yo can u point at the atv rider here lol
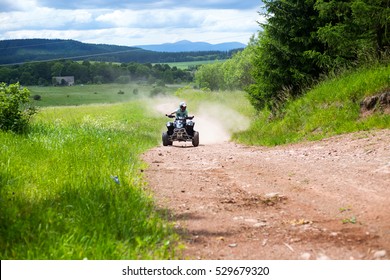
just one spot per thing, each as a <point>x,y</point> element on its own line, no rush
<point>181,112</point>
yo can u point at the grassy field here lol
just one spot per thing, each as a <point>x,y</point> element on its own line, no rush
<point>60,198</point>
<point>182,65</point>
<point>94,94</point>
<point>189,64</point>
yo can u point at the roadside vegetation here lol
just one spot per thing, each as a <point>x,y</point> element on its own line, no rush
<point>331,107</point>
<point>72,188</point>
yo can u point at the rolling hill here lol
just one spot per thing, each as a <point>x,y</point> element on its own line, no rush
<point>38,50</point>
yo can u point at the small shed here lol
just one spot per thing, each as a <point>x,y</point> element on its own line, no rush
<point>64,80</point>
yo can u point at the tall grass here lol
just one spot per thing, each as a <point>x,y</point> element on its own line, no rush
<point>60,198</point>
<point>332,107</point>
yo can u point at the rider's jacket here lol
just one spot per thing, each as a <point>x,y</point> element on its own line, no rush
<point>180,113</point>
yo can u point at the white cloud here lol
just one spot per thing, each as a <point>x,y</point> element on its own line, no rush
<point>38,18</point>
<point>151,25</point>
<point>18,5</point>
<point>158,18</point>
<point>230,20</point>
<point>182,18</point>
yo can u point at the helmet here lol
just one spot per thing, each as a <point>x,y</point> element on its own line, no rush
<point>183,105</point>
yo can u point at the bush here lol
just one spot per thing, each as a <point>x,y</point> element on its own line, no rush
<point>15,108</point>
<point>37,97</point>
<point>156,91</point>
<point>160,83</point>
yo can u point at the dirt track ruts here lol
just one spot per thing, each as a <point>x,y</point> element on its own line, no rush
<point>328,199</point>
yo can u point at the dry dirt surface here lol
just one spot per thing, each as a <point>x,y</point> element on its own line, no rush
<point>328,199</point>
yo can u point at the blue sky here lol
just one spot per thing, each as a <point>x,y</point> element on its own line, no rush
<point>130,23</point>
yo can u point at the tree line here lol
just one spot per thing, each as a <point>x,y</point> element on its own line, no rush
<point>232,74</point>
<point>86,72</point>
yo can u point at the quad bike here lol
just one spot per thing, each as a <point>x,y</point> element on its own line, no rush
<point>182,129</point>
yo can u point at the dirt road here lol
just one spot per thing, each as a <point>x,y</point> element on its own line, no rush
<point>318,200</point>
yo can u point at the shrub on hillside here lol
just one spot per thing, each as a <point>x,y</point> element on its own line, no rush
<point>15,108</point>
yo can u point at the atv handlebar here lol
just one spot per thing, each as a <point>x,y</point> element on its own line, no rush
<point>187,118</point>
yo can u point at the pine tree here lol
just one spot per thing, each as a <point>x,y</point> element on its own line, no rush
<point>283,62</point>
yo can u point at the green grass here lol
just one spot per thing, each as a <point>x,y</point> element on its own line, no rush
<point>92,94</point>
<point>188,64</point>
<point>58,197</point>
<point>331,108</point>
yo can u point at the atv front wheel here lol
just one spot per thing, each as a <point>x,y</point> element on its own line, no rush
<point>195,139</point>
<point>165,139</point>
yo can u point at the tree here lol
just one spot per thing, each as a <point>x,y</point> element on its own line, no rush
<point>374,16</point>
<point>142,71</point>
<point>15,108</point>
<point>238,69</point>
<point>57,68</point>
<point>210,76</point>
<point>5,74</point>
<point>234,73</point>
<point>353,31</point>
<point>282,61</point>
<point>340,35</point>
<point>26,78</point>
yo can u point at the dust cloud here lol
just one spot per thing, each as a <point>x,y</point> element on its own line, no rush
<point>214,122</point>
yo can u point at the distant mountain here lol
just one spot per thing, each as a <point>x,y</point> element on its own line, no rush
<point>188,46</point>
<point>38,50</point>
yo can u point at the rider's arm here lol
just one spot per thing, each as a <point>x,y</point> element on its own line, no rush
<point>173,113</point>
